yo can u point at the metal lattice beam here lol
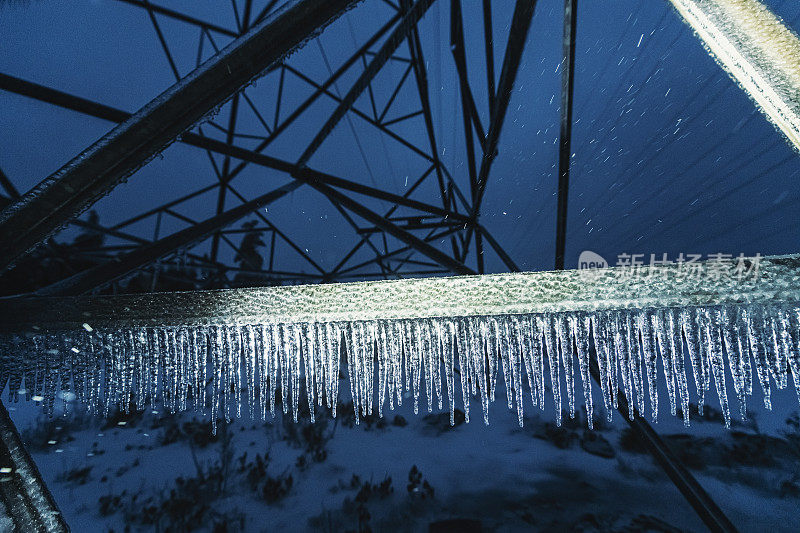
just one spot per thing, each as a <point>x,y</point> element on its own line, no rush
<point>565,137</point>
<point>97,170</point>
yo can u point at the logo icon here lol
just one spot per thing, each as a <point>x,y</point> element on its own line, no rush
<point>589,260</point>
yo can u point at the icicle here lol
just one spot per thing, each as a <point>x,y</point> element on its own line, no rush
<point>490,345</point>
<point>691,332</point>
<point>737,355</point>
<point>777,349</point>
<point>397,360</point>
<point>447,335</point>
<point>666,348</point>
<point>393,360</point>
<point>580,325</point>
<point>384,367</point>
<point>635,353</point>
<point>351,341</point>
<point>436,359</point>
<point>788,343</point>
<point>650,358</point>
<point>333,335</point>
<point>793,325</point>
<point>512,353</point>
<point>478,353</point>
<point>427,365</point>
<point>710,333</point>
<point>261,376</point>
<point>620,335</point>
<point>368,360</point>
<point>463,349</point>
<point>414,358</point>
<point>319,362</point>
<point>565,344</point>
<point>603,352</point>
<point>551,343</point>
<point>501,342</point>
<point>678,361</point>
<point>215,353</point>
<point>606,320</point>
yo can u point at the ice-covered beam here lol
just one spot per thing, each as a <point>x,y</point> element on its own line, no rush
<point>24,496</point>
<point>777,280</point>
<point>701,321</point>
<point>758,51</point>
<point>98,169</point>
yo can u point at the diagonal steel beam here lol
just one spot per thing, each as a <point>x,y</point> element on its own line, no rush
<point>404,27</point>
<point>488,38</point>
<point>517,36</point>
<point>469,113</point>
<point>144,255</point>
<point>316,179</point>
<point>97,170</point>
<point>177,15</point>
<point>392,229</point>
<point>757,50</point>
<point>338,273</point>
<point>421,78</point>
<point>402,30</point>
<point>319,89</point>
<point>89,107</point>
<point>23,494</point>
<point>5,182</point>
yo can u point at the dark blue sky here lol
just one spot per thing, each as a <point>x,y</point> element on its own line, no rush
<point>669,155</point>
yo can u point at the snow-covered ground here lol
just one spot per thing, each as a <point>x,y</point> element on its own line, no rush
<point>152,472</point>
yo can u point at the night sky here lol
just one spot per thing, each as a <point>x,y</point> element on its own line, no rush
<point>669,155</point>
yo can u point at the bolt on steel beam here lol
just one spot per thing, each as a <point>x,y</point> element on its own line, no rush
<point>98,169</point>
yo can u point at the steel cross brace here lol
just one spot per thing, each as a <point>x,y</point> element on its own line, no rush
<point>304,174</point>
<point>97,170</point>
<point>708,511</point>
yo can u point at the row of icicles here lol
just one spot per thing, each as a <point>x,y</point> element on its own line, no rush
<point>223,368</point>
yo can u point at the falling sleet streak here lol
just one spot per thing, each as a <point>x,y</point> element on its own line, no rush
<point>223,369</point>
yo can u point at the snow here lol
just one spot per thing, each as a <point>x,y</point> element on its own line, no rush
<point>501,475</point>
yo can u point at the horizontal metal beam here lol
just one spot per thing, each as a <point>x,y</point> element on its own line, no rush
<point>777,285</point>
<point>98,169</point>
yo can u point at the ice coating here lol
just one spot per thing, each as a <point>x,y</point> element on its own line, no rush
<point>222,370</point>
<point>537,334</point>
<point>757,49</point>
